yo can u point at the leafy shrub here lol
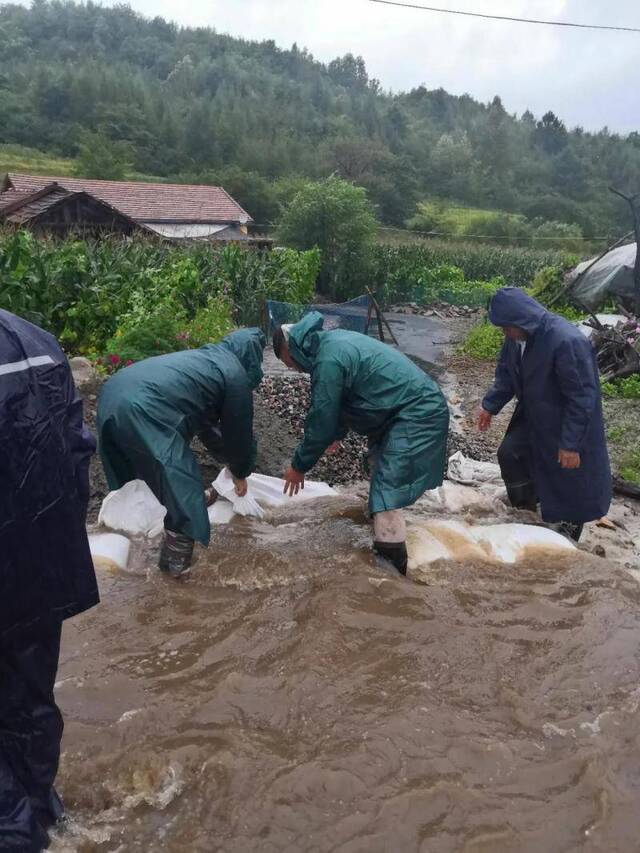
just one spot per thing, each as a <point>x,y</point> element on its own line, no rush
<point>445,283</point>
<point>484,341</point>
<point>573,315</point>
<point>210,324</point>
<point>627,388</point>
<point>149,329</point>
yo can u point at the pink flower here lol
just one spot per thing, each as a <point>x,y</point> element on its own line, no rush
<point>630,341</point>
<point>114,359</point>
<point>129,362</point>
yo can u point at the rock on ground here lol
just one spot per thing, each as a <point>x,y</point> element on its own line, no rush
<point>82,371</point>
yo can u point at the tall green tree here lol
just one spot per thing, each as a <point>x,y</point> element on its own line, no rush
<point>103,159</point>
<point>337,218</point>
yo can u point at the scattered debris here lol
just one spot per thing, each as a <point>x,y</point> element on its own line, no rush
<point>616,349</point>
<point>436,309</point>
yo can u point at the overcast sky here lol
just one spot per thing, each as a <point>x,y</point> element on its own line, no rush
<point>589,78</point>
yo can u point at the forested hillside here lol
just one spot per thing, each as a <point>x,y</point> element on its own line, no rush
<point>125,94</point>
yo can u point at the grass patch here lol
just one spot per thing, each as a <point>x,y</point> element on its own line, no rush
<point>630,466</point>
<point>617,433</point>
<point>626,389</point>
<point>457,218</point>
<point>19,158</point>
<point>623,436</point>
<point>484,341</point>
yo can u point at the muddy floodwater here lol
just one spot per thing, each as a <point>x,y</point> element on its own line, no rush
<point>295,696</point>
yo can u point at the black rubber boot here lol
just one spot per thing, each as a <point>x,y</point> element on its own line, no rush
<point>395,553</point>
<point>522,496</point>
<point>570,529</point>
<point>176,554</point>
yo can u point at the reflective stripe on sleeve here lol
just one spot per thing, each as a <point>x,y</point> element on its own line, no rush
<point>26,364</point>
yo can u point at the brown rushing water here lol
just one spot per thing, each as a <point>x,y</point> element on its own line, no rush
<point>292,696</point>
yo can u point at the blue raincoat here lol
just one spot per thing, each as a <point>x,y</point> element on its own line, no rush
<point>46,571</point>
<point>149,412</point>
<point>557,385</point>
<point>361,384</point>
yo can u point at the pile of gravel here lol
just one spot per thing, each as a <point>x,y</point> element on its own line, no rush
<point>474,445</point>
<point>288,399</point>
<point>436,309</point>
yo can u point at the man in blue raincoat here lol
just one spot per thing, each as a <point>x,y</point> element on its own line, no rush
<point>361,384</point>
<point>554,452</point>
<point>148,414</point>
<point>46,571</point>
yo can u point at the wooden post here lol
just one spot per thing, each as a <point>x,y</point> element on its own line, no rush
<point>381,319</point>
<point>369,313</point>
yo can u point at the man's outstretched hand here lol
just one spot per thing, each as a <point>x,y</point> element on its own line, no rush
<point>568,459</point>
<point>483,421</point>
<point>240,487</point>
<point>293,482</point>
<point>333,448</point>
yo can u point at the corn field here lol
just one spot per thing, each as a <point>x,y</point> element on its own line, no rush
<point>82,291</point>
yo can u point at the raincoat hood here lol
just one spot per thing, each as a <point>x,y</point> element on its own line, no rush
<point>513,307</point>
<point>248,347</point>
<point>303,340</point>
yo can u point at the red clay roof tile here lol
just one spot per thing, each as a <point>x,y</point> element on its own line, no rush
<point>146,202</point>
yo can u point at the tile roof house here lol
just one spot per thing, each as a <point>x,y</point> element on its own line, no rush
<point>174,212</point>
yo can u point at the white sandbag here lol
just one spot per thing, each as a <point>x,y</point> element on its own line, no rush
<point>245,505</point>
<point>133,509</point>
<point>445,539</point>
<point>109,550</point>
<point>456,498</point>
<point>221,512</point>
<point>468,471</point>
<point>508,543</point>
<point>269,491</point>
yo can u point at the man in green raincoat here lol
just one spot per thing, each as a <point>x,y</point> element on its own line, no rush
<point>148,414</point>
<point>361,384</point>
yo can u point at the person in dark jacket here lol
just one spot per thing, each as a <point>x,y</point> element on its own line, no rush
<point>46,571</point>
<point>554,452</point>
<point>364,385</point>
<point>148,414</point>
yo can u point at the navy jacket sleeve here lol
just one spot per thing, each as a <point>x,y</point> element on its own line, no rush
<point>322,426</point>
<point>502,391</point>
<point>236,425</point>
<point>576,377</point>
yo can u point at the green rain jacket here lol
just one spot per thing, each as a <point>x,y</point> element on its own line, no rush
<point>361,384</point>
<point>149,412</point>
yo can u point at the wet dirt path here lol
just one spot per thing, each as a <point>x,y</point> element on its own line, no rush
<point>294,696</point>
